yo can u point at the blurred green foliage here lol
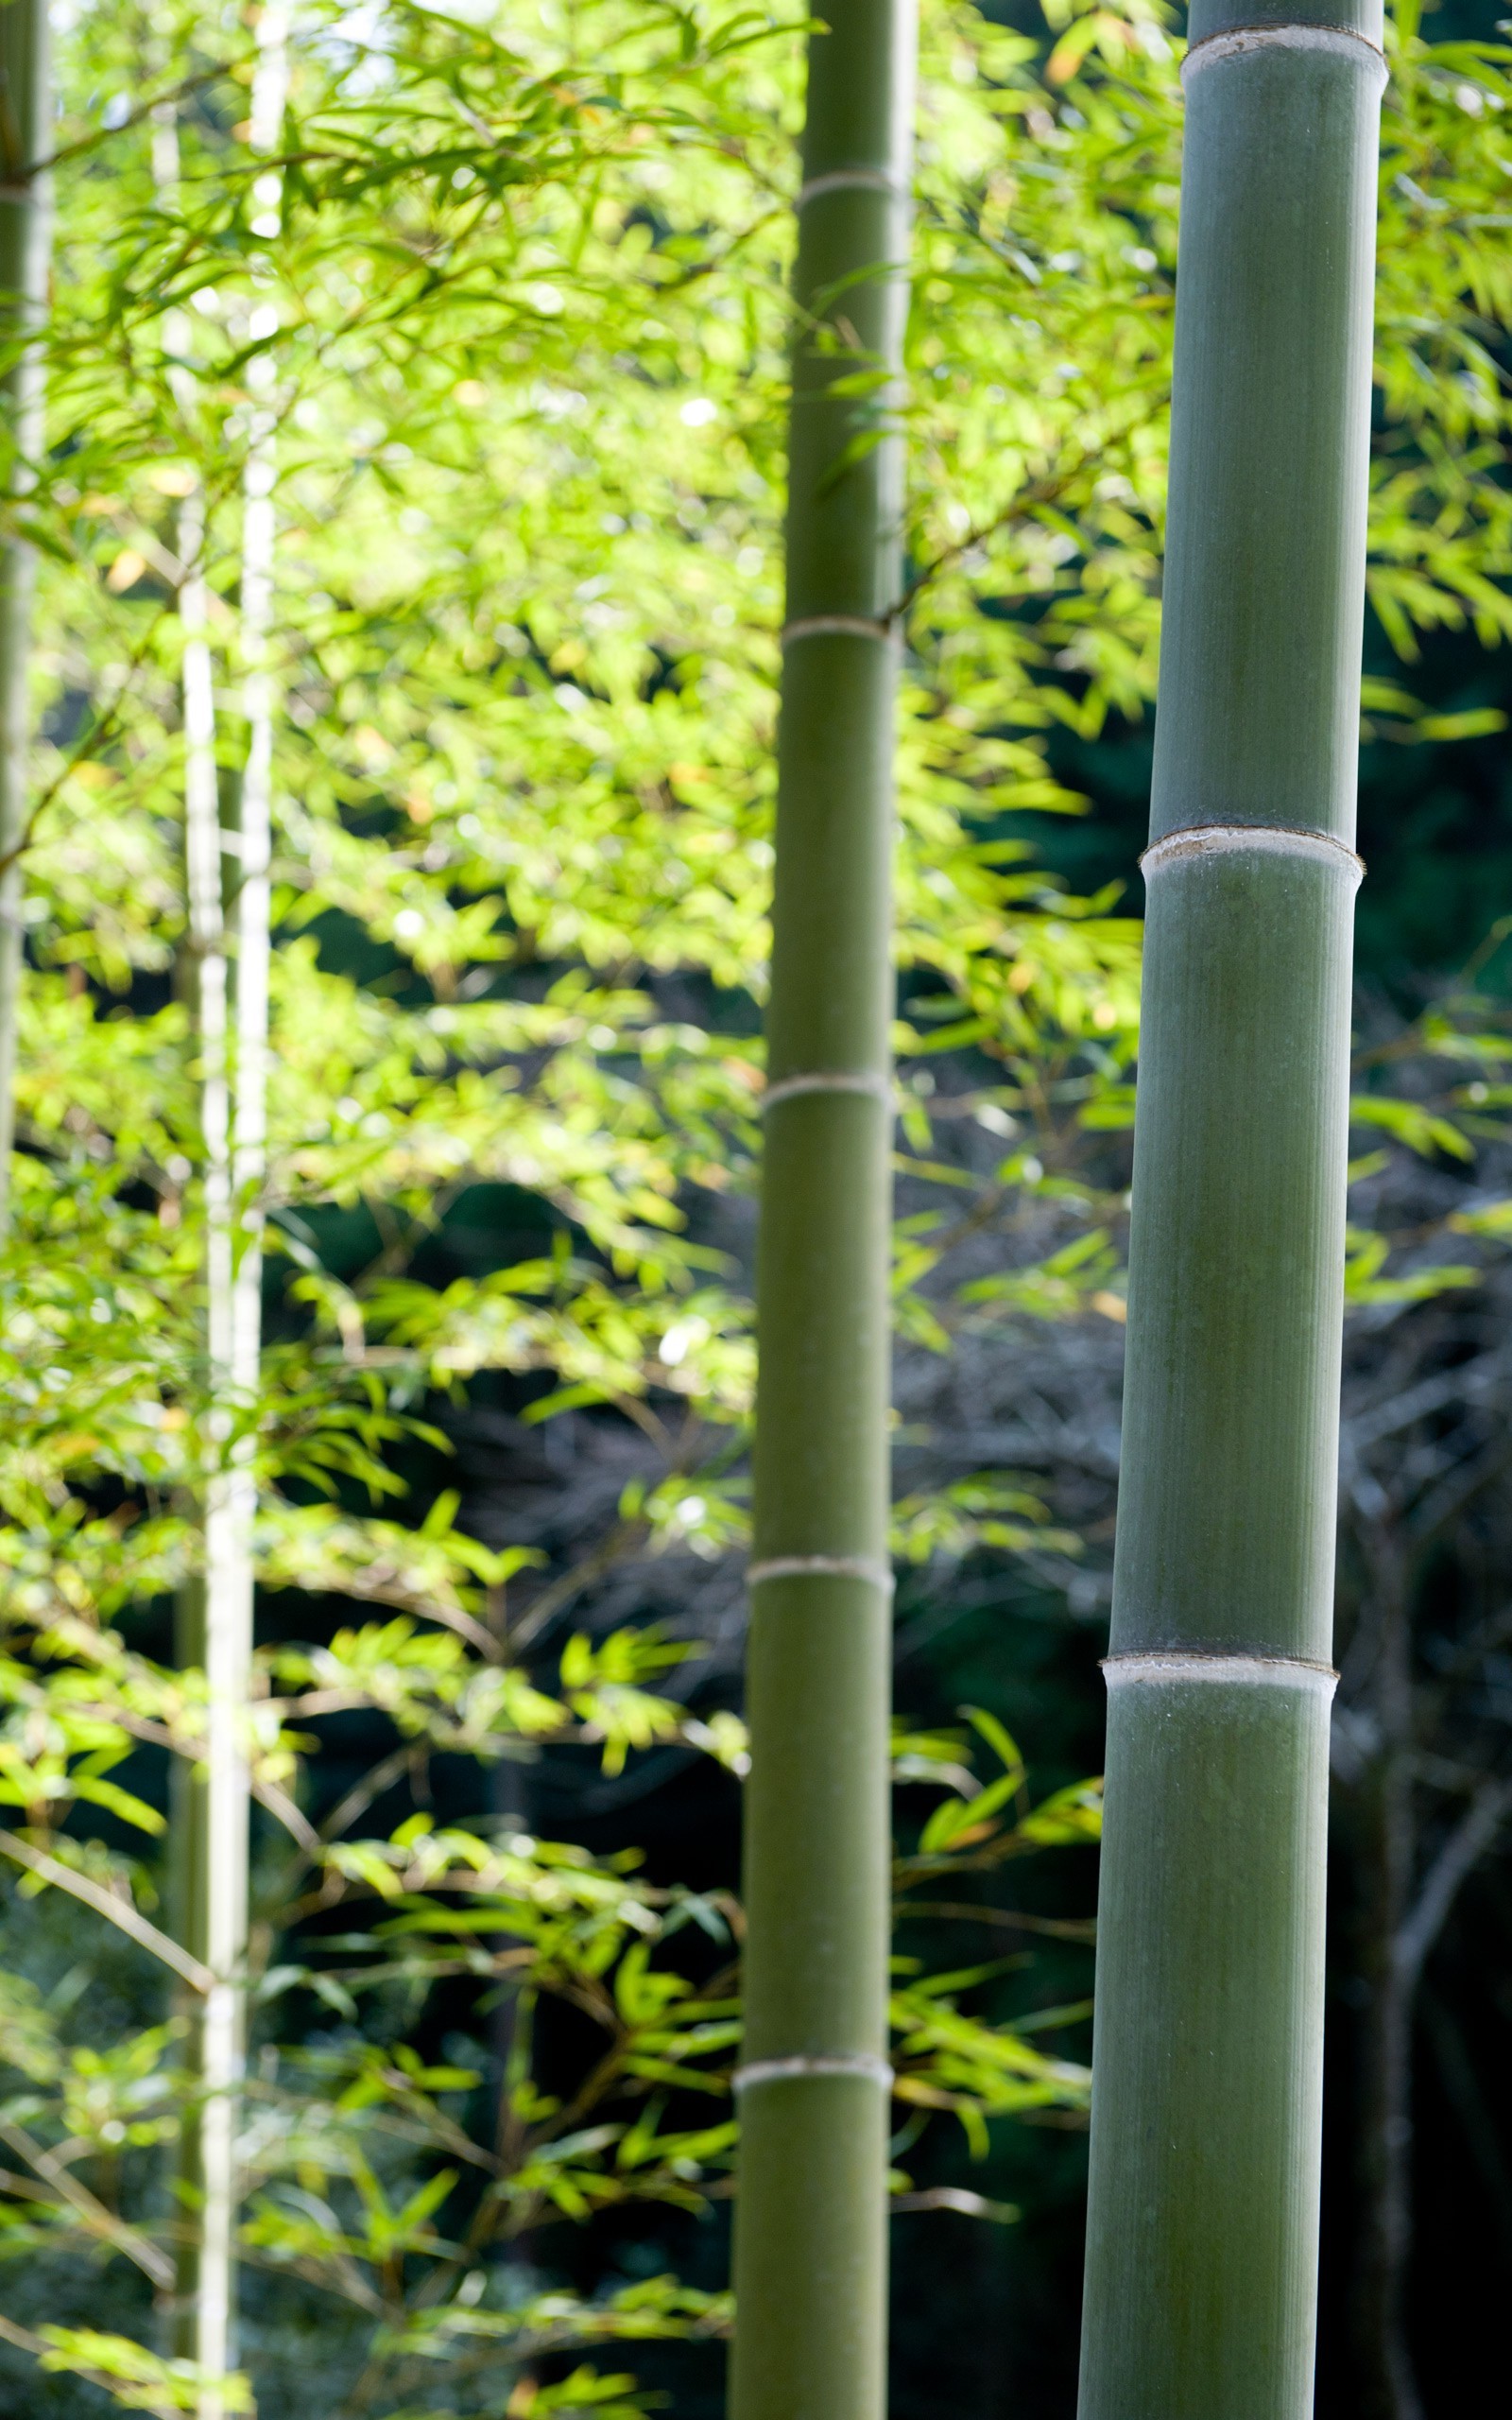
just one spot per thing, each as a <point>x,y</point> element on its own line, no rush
<point>529,356</point>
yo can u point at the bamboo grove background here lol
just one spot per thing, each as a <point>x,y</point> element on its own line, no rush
<point>493,315</point>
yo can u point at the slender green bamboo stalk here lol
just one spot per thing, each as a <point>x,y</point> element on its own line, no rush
<point>215,1625</point>
<point>26,251</point>
<point>810,2236</point>
<point>217,1831</point>
<point>216,1839</point>
<point>234,1117</point>
<point>1207,2060</point>
<point>249,1137</point>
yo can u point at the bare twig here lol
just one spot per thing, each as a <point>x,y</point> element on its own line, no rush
<point>1456,1860</point>
<point>96,2217</point>
<point>118,1912</point>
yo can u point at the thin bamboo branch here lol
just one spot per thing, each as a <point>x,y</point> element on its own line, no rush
<point>1387,1855</point>
<point>1451,1870</point>
<point>25,254</point>
<point>118,1912</point>
<point>93,2214</point>
<point>26,2341</point>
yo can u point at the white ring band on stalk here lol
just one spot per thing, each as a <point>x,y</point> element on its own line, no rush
<point>793,1087</point>
<point>835,626</point>
<point>822,1566</point>
<point>1260,840</point>
<point>851,181</point>
<point>838,2062</point>
<point>1242,39</point>
<point>1201,1664</point>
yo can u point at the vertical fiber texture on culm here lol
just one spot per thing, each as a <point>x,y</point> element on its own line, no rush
<point>810,2228</point>
<point>1202,2237</point>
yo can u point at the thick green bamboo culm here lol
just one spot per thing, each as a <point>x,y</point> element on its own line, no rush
<point>1202,2239</point>
<point>26,248</point>
<point>811,2221</point>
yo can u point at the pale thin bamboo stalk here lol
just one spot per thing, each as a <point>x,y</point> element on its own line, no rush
<point>234,1268</point>
<point>233,1109</point>
<point>1207,2095</point>
<point>215,1826</point>
<point>259,694</point>
<point>25,252</point>
<point>811,2272</point>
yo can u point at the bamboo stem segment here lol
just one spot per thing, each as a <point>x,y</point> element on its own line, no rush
<point>25,252</point>
<point>236,1151</point>
<point>232,1037</point>
<point>1202,2235</point>
<point>269,97</point>
<point>810,2232</point>
<point>211,1833</point>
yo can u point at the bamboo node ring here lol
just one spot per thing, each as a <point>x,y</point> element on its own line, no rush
<point>1237,41</point>
<point>851,181</point>
<point>836,625</point>
<point>793,1087</point>
<point>822,1566</point>
<point>829,2063</point>
<point>1207,1664</point>
<point>1263,839</point>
